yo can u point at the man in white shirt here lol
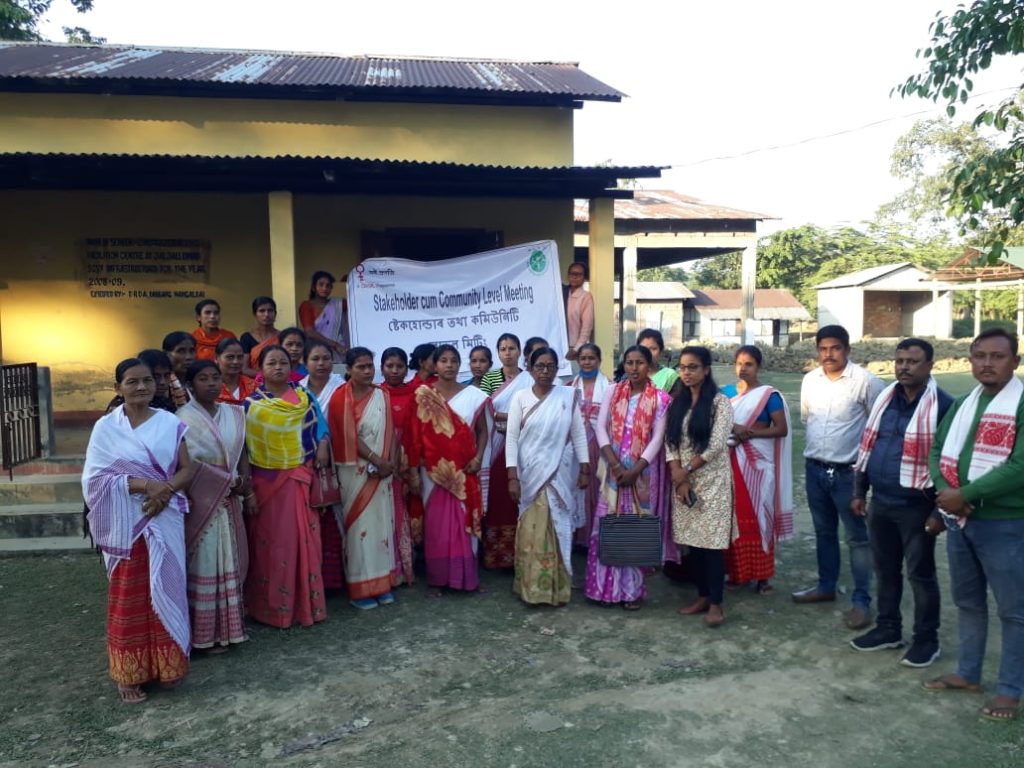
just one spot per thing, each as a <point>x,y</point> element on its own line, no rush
<point>835,400</point>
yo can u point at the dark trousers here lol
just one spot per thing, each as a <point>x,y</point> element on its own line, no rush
<point>897,534</point>
<point>709,573</point>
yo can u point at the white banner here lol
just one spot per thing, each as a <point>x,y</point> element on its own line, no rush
<point>464,302</point>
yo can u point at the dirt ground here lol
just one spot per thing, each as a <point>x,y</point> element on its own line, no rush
<point>482,680</point>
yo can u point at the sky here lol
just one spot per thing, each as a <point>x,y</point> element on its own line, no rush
<point>705,80</point>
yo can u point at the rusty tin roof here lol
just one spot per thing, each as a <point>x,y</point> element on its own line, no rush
<point>56,66</point>
<point>665,204</point>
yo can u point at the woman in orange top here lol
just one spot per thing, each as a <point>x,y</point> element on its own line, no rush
<point>323,318</point>
<point>209,333</point>
<point>236,386</point>
<point>264,334</point>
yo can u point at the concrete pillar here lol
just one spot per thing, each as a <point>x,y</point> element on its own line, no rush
<point>935,311</point>
<point>747,287</point>
<point>282,257</point>
<point>601,238</point>
<point>977,309</point>
<point>628,306</point>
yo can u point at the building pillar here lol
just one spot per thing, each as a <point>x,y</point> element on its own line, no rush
<point>1020,308</point>
<point>935,310</point>
<point>747,287</point>
<point>627,309</point>
<point>977,309</point>
<point>601,239</point>
<point>282,256</point>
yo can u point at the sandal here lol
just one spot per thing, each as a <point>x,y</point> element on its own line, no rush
<point>1001,713</point>
<point>714,620</point>
<point>131,694</point>
<point>950,682</point>
<point>765,588</point>
<point>631,605</point>
<point>700,605</point>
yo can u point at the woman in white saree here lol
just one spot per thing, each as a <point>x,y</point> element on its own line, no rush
<point>548,466</point>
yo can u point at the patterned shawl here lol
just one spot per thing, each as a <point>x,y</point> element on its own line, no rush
<point>917,442</point>
<point>994,440</point>
<point>643,419</point>
<point>280,434</point>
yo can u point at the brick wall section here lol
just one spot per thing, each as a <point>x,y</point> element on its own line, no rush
<point>882,314</point>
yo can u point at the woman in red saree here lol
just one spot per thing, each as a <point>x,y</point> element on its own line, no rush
<point>209,333</point>
<point>216,551</point>
<point>135,468</point>
<point>408,505</point>
<point>286,436</point>
<point>450,433</point>
<point>260,336</point>
<point>235,385</point>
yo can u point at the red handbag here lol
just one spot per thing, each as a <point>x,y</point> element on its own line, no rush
<point>325,490</point>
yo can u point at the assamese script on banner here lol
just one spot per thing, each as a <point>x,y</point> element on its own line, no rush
<point>465,301</point>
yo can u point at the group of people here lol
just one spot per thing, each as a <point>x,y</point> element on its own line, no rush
<point>252,482</point>
<point>933,465</point>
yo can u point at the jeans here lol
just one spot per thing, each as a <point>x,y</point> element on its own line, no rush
<point>989,553</point>
<point>829,492</point>
<point>897,533</point>
<point>709,573</point>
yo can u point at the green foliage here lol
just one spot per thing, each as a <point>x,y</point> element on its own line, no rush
<point>19,20</point>
<point>986,192</point>
<point>718,272</point>
<point>662,275</point>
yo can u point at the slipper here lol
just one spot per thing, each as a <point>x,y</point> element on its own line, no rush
<point>765,589</point>
<point>1000,714</point>
<point>434,593</point>
<point>631,605</point>
<point>714,621</point>
<point>948,683</point>
<point>131,694</point>
<point>698,606</point>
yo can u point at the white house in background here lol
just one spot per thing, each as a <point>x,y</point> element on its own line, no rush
<point>714,315</point>
<point>890,301</point>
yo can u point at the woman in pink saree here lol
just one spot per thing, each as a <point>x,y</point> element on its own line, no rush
<point>217,554</point>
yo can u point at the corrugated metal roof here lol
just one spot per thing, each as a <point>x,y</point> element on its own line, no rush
<point>657,291</point>
<point>864,276</point>
<point>302,71</point>
<point>769,304</point>
<point>669,205</point>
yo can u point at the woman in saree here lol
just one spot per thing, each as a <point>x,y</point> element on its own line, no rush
<point>699,425</point>
<point>216,552</point>
<point>235,385</point>
<point>363,439</point>
<point>408,504</point>
<point>480,362</point>
<point>286,437</point>
<point>263,334</point>
<point>209,333</point>
<point>324,318</point>
<point>181,351</point>
<point>592,386</point>
<point>322,382</point>
<point>664,378</point>
<point>136,466</point>
<point>548,466</point>
<point>502,512</point>
<point>450,431</point>
<point>631,434</point>
<point>762,471</point>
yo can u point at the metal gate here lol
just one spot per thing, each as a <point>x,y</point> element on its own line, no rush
<point>20,437</point>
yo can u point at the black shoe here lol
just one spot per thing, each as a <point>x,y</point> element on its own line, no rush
<point>921,654</point>
<point>877,639</point>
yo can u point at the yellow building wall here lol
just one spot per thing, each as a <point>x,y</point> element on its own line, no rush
<point>87,123</point>
<point>47,315</point>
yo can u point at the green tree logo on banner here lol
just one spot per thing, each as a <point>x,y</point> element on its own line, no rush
<point>538,262</point>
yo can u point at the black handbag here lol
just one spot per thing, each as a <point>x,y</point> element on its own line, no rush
<point>630,540</point>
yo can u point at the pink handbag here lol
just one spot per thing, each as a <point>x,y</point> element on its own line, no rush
<point>325,490</point>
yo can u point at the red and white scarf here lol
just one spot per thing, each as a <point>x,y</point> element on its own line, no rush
<point>993,442</point>
<point>917,442</point>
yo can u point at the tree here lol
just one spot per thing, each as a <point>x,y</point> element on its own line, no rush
<point>986,191</point>
<point>661,275</point>
<point>19,20</point>
<point>718,271</point>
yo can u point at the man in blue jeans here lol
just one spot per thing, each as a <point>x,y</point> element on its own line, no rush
<point>893,463</point>
<point>835,401</point>
<point>977,463</point>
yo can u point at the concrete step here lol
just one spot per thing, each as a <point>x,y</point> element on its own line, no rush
<point>41,489</point>
<point>33,521</point>
<point>47,545</point>
<point>52,465</point>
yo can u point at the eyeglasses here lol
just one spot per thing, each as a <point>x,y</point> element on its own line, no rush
<point>545,367</point>
<point>691,368</point>
<point>575,274</point>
